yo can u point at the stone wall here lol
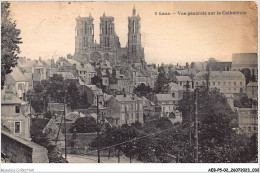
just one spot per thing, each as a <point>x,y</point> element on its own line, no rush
<point>20,150</point>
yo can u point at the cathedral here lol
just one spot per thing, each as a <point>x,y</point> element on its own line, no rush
<point>109,48</point>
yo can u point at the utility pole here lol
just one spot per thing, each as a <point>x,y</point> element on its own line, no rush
<point>98,131</point>
<point>30,104</point>
<point>126,117</point>
<point>65,127</point>
<point>196,128</point>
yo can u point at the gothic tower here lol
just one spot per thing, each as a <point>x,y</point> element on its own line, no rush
<point>84,36</point>
<point>135,51</point>
<point>107,33</point>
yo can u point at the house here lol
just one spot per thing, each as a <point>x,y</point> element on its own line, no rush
<point>97,93</point>
<point>15,115</point>
<point>125,109</point>
<point>165,104</point>
<point>49,128</point>
<point>149,110</point>
<point>182,81</point>
<point>245,60</point>
<point>248,120</point>
<point>17,83</point>
<point>252,90</point>
<point>85,72</point>
<point>218,66</point>
<point>153,71</point>
<point>228,82</point>
<point>176,91</point>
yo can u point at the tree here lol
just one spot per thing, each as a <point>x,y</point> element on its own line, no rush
<point>85,125</point>
<point>161,80</point>
<point>143,90</point>
<point>73,96</point>
<point>247,73</point>
<point>192,65</point>
<point>55,87</point>
<point>96,80</point>
<point>10,39</point>
<point>218,142</point>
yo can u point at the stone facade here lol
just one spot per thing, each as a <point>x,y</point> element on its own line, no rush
<point>245,60</point>
<point>228,82</point>
<point>109,48</point>
<point>248,120</point>
<point>20,150</point>
<point>15,115</point>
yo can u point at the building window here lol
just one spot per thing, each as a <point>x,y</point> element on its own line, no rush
<point>235,83</point>
<point>17,127</point>
<point>213,83</point>
<point>235,89</point>
<point>218,83</point>
<point>173,95</point>
<point>20,86</point>
<point>17,109</point>
<point>249,129</point>
<point>241,83</point>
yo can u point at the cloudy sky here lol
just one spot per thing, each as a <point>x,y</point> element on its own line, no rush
<point>48,28</point>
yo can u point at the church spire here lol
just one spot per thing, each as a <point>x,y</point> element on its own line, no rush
<point>134,11</point>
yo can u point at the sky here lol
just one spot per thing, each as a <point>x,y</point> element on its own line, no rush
<point>48,28</point>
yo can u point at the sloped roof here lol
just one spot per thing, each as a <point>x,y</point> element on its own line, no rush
<point>252,84</point>
<point>127,97</point>
<point>66,74</point>
<point>164,97</point>
<point>28,76</point>
<point>107,97</point>
<point>216,75</point>
<point>11,99</point>
<point>174,87</point>
<point>27,63</point>
<point>183,78</point>
<point>93,87</point>
<point>17,75</point>
<point>72,116</point>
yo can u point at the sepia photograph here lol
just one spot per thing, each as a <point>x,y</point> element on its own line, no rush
<point>131,82</point>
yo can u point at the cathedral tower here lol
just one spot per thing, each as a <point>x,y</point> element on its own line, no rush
<point>135,50</point>
<point>84,39</point>
<point>107,33</point>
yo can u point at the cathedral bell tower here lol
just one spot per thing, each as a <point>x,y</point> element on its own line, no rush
<point>84,35</point>
<point>107,32</point>
<point>135,51</point>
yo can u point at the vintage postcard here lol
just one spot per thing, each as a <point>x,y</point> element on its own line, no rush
<point>129,82</point>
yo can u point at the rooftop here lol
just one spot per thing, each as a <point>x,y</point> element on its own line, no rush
<point>127,97</point>
<point>183,78</point>
<point>164,97</point>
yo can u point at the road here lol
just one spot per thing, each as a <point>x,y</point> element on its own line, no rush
<point>93,159</point>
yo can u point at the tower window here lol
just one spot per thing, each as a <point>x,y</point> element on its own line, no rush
<point>134,26</point>
<point>106,27</point>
